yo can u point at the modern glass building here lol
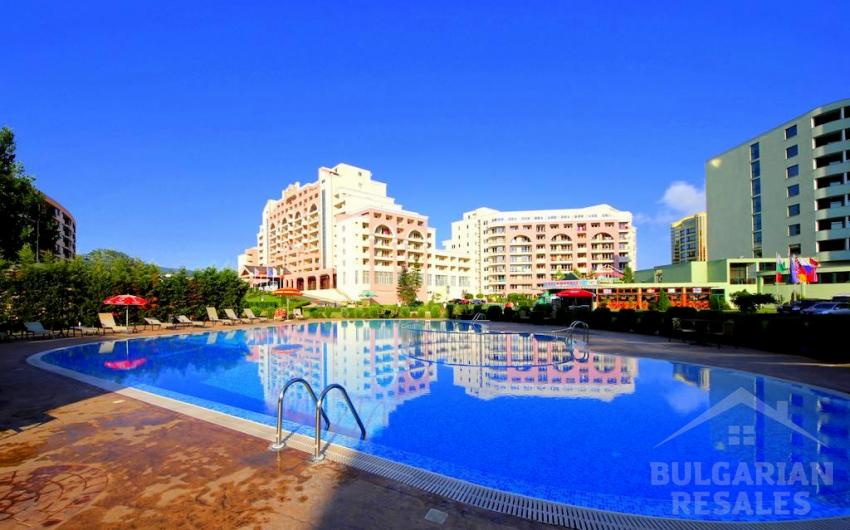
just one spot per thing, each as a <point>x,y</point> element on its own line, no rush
<point>784,192</point>
<point>687,239</point>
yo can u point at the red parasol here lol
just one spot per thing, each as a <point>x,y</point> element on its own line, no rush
<point>574,293</point>
<point>125,365</point>
<point>125,300</point>
<point>287,292</point>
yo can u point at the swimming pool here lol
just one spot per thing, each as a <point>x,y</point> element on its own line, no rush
<point>529,414</point>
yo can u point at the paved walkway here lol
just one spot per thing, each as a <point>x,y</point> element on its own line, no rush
<point>75,455</point>
<point>79,456</point>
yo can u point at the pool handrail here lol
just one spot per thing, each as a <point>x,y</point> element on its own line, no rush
<point>317,454</point>
<point>278,443</point>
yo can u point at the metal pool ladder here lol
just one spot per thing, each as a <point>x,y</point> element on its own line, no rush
<point>577,324</point>
<point>278,443</point>
<point>318,456</point>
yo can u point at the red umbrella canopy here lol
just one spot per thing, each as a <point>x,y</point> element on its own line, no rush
<point>287,291</point>
<point>575,293</point>
<point>125,299</point>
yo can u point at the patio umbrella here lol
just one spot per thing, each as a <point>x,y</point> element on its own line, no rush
<point>287,292</point>
<point>126,300</point>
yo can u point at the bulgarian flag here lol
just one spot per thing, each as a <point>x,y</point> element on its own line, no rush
<point>780,268</point>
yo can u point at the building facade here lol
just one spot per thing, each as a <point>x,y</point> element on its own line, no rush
<point>66,243</point>
<point>343,232</point>
<point>518,251</point>
<point>786,191</point>
<point>688,239</point>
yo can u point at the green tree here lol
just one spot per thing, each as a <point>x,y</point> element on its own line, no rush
<point>628,275</point>
<point>409,283</point>
<point>750,302</point>
<point>663,301</point>
<point>25,217</point>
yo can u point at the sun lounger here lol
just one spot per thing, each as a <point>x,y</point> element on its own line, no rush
<point>35,329</point>
<point>249,313</point>
<point>153,322</point>
<point>107,321</point>
<point>296,314</point>
<point>184,320</point>
<point>232,316</point>
<point>212,315</point>
<point>85,330</point>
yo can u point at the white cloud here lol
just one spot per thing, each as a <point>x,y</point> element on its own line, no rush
<point>684,198</point>
<point>680,199</point>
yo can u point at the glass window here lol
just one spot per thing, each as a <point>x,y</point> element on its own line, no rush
<point>793,190</point>
<point>756,204</point>
<point>794,230</point>
<point>791,132</point>
<point>756,187</point>
<point>757,222</point>
<point>754,151</point>
<point>792,171</point>
<point>757,238</point>
<point>794,249</point>
<point>755,169</point>
<point>793,210</point>
<point>791,152</point>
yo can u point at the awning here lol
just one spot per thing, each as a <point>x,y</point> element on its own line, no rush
<point>574,293</point>
<point>328,296</point>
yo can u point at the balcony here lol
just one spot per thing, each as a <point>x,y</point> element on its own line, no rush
<point>835,233</point>
<point>828,149</point>
<point>831,170</point>
<point>826,213</point>
<point>832,126</point>
<point>834,255</point>
<point>830,191</point>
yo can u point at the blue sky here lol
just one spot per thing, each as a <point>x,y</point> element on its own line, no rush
<point>164,126</point>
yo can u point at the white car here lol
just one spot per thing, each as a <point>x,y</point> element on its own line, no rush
<point>828,308</point>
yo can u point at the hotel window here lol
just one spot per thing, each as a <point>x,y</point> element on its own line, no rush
<point>757,222</point>
<point>383,278</point>
<point>794,230</point>
<point>793,210</point>
<point>754,151</point>
<point>756,186</point>
<point>756,204</point>
<point>791,152</point>
<point>755,169</point>
<point>794,249</point>
<point>792,171</point>
<point>791,132</point>
<point>793,190</point>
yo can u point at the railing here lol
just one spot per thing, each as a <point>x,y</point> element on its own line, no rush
<point>317,453</point>
<point>278,443</point>
<point>577,324</point>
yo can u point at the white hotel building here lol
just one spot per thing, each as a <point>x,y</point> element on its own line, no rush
<point>517,251</point>
<point>342,236</point>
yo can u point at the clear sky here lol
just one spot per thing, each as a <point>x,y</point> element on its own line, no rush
<point>164,126</point>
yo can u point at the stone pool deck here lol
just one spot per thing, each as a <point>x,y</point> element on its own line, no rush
<point>78,456</point>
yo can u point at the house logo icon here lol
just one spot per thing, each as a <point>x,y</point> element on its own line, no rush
<point>744,434</point>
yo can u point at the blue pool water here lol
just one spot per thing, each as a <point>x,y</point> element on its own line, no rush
<point>533,415</point>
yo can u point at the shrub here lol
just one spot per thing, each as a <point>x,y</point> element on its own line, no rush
<point>494,312</point>
<point>750,302</point>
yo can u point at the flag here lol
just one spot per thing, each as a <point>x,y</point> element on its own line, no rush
<point>812,270</point>
<point>792,264</point>
<point>780,268</point>
<point>802,276</point>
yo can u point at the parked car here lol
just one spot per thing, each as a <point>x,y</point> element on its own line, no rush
<point>798,306</point>
<point>461,301</point>
<point>478,301</point>
<point>828,308</point>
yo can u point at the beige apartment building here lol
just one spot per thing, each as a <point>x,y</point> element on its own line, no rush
<point>518,251</point>
<point>343,236</point>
